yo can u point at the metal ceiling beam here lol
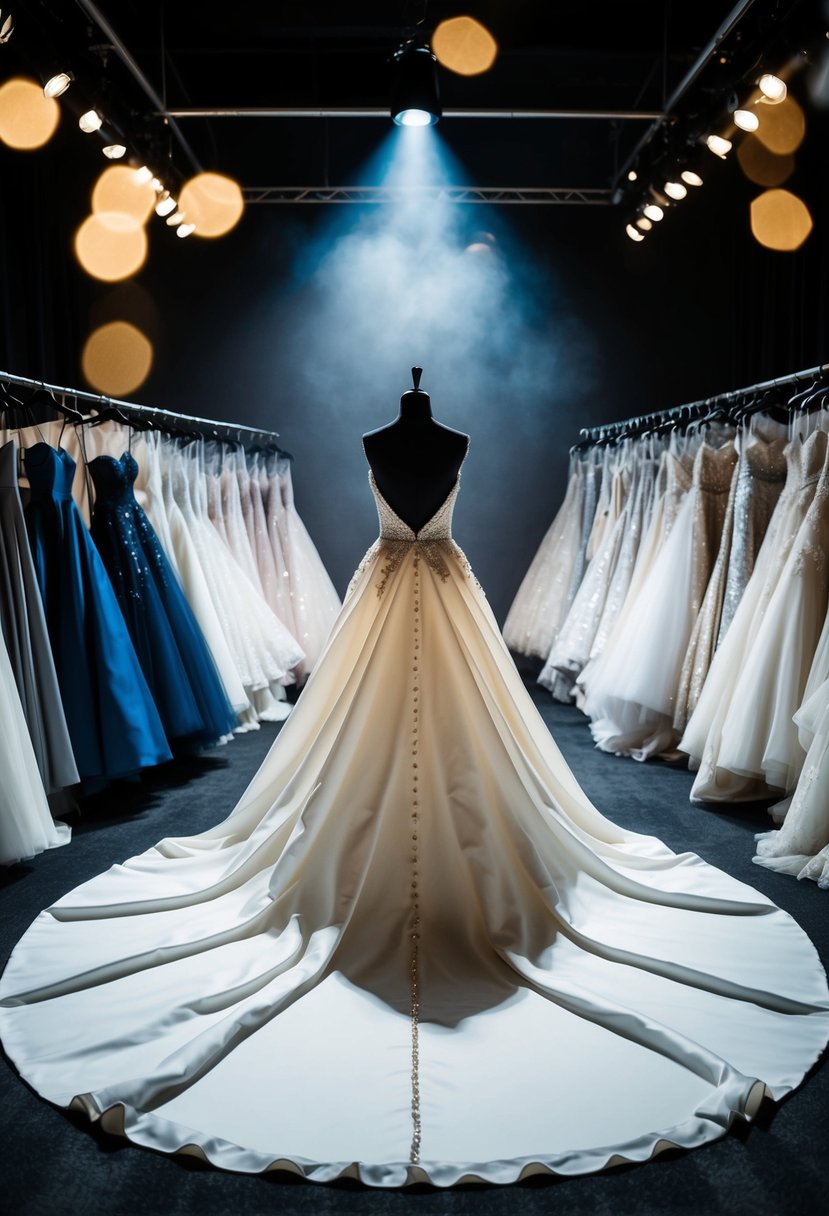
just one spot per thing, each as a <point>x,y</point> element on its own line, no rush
<point>383,112</point>
<point>703,59</point>
<point>557,196</point>
<point>122,51</point>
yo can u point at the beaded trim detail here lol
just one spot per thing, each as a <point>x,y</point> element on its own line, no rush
<point>414,919</point>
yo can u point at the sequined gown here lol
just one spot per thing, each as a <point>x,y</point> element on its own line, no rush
<point>370,968</point>
<point>174,656</point>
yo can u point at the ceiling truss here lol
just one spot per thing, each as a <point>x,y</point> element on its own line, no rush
<point>549,196</point>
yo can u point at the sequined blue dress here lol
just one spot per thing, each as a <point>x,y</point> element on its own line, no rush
<point>113,722</point>
<point>174,656</point>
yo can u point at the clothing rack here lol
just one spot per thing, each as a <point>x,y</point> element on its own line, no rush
<point>694,410</point>
<point>208,427</point>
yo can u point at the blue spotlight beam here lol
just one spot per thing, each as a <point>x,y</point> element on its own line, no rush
<point>549,196</point>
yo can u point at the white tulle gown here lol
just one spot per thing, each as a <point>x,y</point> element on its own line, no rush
<point>26,824</point>
<point>414,951</point>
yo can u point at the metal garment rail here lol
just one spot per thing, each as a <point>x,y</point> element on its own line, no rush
<point>210,427</point>
<point>691,408</point>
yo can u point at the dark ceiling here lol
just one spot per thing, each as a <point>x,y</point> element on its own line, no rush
<point>600,55</point>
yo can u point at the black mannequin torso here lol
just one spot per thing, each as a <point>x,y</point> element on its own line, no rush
<point>415,460</point>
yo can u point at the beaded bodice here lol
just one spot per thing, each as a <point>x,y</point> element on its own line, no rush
<point>392,527</point>
<point>433,542</point>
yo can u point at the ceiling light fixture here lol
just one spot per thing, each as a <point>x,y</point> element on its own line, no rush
<point>774,89</point>
<point>746,120</point>
<point>57,85</point>
<point>166,204</point>
<point>690,177</point>
<point>634,233</point>
<point>114,151</point>
<point>90,122</point>
<point>675,190</point>
<point>654,212</point>
<point>414,87</point>
<point>719,145</point>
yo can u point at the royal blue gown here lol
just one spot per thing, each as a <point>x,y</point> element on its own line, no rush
<point>174,656</point>
<point>113,721</point>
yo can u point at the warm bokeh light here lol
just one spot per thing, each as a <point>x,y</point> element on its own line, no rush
<point>761,166</point>
<point>28,119</point>
<point>212,202</point>
<point>780,220</point>
<point>783,127</point>
<point>117,358</point>
<point>653,212</point>
<point>464,46</point>
<point>119,189</point>
<point>690,177</point>
<point>111,246</point>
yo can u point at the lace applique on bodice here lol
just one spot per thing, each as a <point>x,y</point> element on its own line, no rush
<point>396,539</point>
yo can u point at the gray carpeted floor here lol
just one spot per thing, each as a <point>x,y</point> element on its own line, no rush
<point>54,1164</point>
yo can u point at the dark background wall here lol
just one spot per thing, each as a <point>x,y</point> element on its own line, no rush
<point>299,320</point>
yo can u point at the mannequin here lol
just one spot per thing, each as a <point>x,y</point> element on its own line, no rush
<point>415,460</point>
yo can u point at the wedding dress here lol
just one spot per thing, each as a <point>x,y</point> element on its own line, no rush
<point>801,845</point>
<point>540,603</point>
<point>741,736</point>
<point>26,824</point>
<point>571,648</point>
<point>315,600</point>
<point>414,951</point>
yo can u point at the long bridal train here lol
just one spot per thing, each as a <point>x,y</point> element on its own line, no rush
<point>414,951</point>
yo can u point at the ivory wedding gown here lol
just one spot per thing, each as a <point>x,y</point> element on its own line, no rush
<point>414,951</point>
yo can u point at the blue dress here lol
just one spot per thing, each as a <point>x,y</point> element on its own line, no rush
<point>174,656</point>
<point>113,722</point>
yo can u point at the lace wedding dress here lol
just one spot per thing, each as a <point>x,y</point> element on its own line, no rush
<point>414,951</point>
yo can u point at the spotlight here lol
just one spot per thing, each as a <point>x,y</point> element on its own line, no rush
<point>690,177</point>
<point>185,229</point>
<point>746,120</point>
<point>57,84</point>
<point>632,175</point>
<point>653,212</point>
<point>633,233</point>
<point>773,88</point>
<point>414,87</point>
<point>675,190</point>
<point>90,122</point>
<point>644,223</point>
<point>166,204</point>
<point>143,175</point>
<point>718,145</point>
<point>114,151</point>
